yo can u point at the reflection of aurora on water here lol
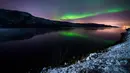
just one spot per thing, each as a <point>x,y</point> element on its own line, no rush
<point>74,34</point>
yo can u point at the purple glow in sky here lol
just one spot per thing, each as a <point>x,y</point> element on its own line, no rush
<point>53,9</point>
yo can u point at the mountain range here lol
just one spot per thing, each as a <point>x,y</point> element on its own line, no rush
<point>19,19</point>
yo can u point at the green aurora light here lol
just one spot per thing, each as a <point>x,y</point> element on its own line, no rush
<point>85,15</point>
<point>72,34</point>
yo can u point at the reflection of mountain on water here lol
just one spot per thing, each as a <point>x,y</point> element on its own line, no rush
<point>8,34</point>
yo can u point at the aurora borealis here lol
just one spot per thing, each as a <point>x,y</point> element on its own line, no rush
<point>77,11</point>
<point>85,15</point>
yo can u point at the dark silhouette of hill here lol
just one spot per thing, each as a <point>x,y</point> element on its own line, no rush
<point>18,19</point>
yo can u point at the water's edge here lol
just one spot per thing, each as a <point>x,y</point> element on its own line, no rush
<point>115,60</point>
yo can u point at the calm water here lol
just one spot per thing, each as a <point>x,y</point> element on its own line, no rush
<point>19,47</point>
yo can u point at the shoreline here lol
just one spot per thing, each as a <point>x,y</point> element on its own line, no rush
<point>92,63</point>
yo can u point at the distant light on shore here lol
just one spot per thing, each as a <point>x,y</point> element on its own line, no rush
<point>125,26</point>
<point>105,22</point>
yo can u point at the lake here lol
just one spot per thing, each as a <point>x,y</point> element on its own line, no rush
<point>33,48</point>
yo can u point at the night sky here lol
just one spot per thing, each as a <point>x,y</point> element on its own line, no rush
<point>74,10</point>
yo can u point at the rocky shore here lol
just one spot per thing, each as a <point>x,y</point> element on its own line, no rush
<point>115,60</point>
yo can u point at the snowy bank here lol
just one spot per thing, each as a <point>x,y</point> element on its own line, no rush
<point>115,60</point>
